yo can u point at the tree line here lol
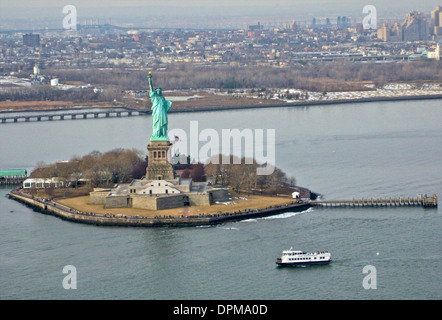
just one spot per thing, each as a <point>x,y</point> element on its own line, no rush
<point>312,76</point>
<point>241,175</point>
<point>97,168</point>
<point>45,92</point>
<point>122,165</point>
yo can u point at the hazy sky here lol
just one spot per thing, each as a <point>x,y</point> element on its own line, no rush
<point>16,12</point>
<point>211,3</point>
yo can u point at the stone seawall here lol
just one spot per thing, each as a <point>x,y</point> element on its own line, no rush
<point>63,212</point>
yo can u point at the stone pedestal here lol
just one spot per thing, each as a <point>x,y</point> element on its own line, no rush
<point>159,167</point>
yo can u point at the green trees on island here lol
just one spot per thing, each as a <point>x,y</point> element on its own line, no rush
<point>115,166</point>
<point>122,165</point>
<point>241,175</point>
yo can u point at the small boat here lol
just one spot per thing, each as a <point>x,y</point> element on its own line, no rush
<point>292,257</point>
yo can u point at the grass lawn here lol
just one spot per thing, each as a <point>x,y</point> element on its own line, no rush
<point>252,202</point>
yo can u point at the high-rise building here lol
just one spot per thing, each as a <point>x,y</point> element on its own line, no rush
<point>31,40</point>
<point>438,29</point>
<point>390,33</point>
<point>291,26</point>
<point>436,21</point>
<point>254,29</point>
<point>415,27</point>
<point>435,16</point>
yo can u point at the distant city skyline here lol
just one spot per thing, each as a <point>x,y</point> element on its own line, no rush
<point>38,13</point>
<point>207,3</point>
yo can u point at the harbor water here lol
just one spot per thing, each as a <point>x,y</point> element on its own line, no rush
<point>379,149</point>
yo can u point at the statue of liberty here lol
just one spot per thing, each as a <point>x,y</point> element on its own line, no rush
<point>160,107</point>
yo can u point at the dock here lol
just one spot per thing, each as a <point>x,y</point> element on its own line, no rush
<point>12,177</point>
<point>419,201</point>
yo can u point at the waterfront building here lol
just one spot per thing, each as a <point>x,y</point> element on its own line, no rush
<point>38,183</point>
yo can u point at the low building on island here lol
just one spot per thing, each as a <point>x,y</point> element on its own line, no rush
<point>159,194</point>
<point>38,183</point>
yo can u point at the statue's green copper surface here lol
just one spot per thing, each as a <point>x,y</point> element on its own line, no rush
<point>160,107</point>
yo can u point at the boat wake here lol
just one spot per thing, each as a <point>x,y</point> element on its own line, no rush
<point>285,215</point>
<point>229,228</point>
<point>249,220</point>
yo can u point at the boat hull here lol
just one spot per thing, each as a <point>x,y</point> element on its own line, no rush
<point>284,264</point>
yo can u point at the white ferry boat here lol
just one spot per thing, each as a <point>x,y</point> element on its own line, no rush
<point>292,257</point>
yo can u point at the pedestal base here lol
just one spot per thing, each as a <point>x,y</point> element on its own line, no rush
<point>159,167</point>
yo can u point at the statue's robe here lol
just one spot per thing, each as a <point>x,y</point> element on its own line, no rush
<point>160,107</point>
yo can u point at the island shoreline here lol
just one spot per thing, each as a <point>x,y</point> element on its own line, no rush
<point>128,221</point>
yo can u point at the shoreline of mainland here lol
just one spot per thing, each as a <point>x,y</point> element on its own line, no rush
<point>240,107</point>
<point>309,103</point>
<point>73,215</point>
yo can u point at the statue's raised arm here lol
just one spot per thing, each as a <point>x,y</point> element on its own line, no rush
<point>149,78</point>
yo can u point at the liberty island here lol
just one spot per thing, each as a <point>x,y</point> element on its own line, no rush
<point>163,198</point>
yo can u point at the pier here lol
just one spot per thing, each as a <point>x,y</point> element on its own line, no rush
<point>420,201</point>
<point>12,177</point>
<point>69,114</point>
